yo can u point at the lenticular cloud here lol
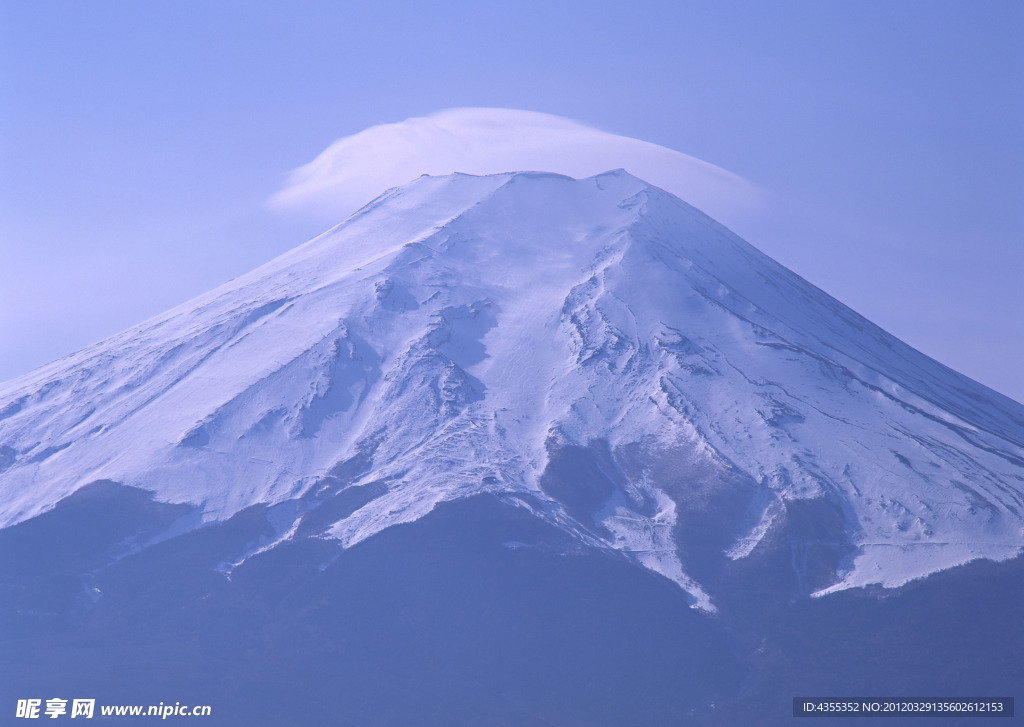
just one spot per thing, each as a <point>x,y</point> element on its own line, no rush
<point>355,169</point>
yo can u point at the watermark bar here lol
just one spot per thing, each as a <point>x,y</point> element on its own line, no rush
<point>58,707</point>
<point>925,707</point>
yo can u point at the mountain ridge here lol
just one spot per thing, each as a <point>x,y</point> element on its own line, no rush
<point>503,334</point>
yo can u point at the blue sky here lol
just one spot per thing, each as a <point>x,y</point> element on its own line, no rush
<point>140,142</point>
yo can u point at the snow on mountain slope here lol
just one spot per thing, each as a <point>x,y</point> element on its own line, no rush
<point>596,351</point>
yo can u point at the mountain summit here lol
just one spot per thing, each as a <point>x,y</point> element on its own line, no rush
<point>594,352</point>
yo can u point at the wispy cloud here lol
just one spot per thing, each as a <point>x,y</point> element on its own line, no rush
<point>355,169</point>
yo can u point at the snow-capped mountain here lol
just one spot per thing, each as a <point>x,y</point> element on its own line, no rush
<point>595,352</point>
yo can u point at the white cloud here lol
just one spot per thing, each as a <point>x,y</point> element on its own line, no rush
<point>355,169</point>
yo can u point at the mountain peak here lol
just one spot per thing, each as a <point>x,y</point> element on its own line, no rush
<point>596,352</point>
